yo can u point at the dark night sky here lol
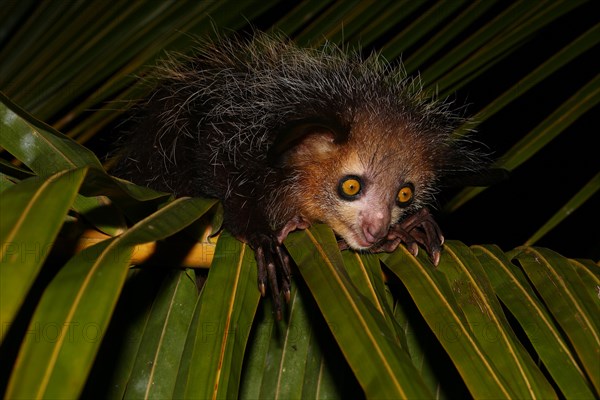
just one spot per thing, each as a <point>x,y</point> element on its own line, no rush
<point>509,212</point>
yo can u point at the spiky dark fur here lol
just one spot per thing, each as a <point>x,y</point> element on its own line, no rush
<point>212,125</point>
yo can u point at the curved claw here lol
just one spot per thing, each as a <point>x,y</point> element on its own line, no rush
<point>273,269</point>
<point>284,262</point>
<point>259,255</point>
<point>419,228</point>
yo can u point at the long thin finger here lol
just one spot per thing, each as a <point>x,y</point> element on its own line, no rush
<point>262,270</point>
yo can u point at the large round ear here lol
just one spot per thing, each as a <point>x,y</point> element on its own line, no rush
<point>311,136</point>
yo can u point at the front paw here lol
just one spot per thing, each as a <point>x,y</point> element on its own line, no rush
<point>273,261</point>
<point>419,228</point>
<point>273,269</point>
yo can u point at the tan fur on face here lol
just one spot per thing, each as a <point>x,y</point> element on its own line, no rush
<point>384,155</point>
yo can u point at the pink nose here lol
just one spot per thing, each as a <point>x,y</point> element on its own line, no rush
<point>375,227</point>
<point>373,235</point>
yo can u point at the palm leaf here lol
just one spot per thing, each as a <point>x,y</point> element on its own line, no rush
<point>155,370</point>
<point>216,343</point>
<point>83,295</point>
<point>28,203</point>
<point>560,286</point>
<point>368,344</point>
<point>296,357</point>
<point>486,323</point>
<point>514,291</point>
<point>459,304</point>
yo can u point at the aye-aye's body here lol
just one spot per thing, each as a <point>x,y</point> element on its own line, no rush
<point>286,137</point>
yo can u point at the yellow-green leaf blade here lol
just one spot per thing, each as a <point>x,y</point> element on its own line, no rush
<point>365,272</point>
<point>116,356</point>
<point>513,289</point>
<point>32,213</point>
<point>563,292</point>
<point>218,335</point>
<point>296,357</point>
<point>380,365</point>
<point>80,300</point>
<point>434,298</point>
<point>37,145</point>
<point>157,363</point>
<point>475,295</point>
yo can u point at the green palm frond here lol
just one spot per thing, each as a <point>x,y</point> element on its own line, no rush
<point>77,321</point>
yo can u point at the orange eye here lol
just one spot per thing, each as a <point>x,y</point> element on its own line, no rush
<point>349,187</point>
<point>405,195</point>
